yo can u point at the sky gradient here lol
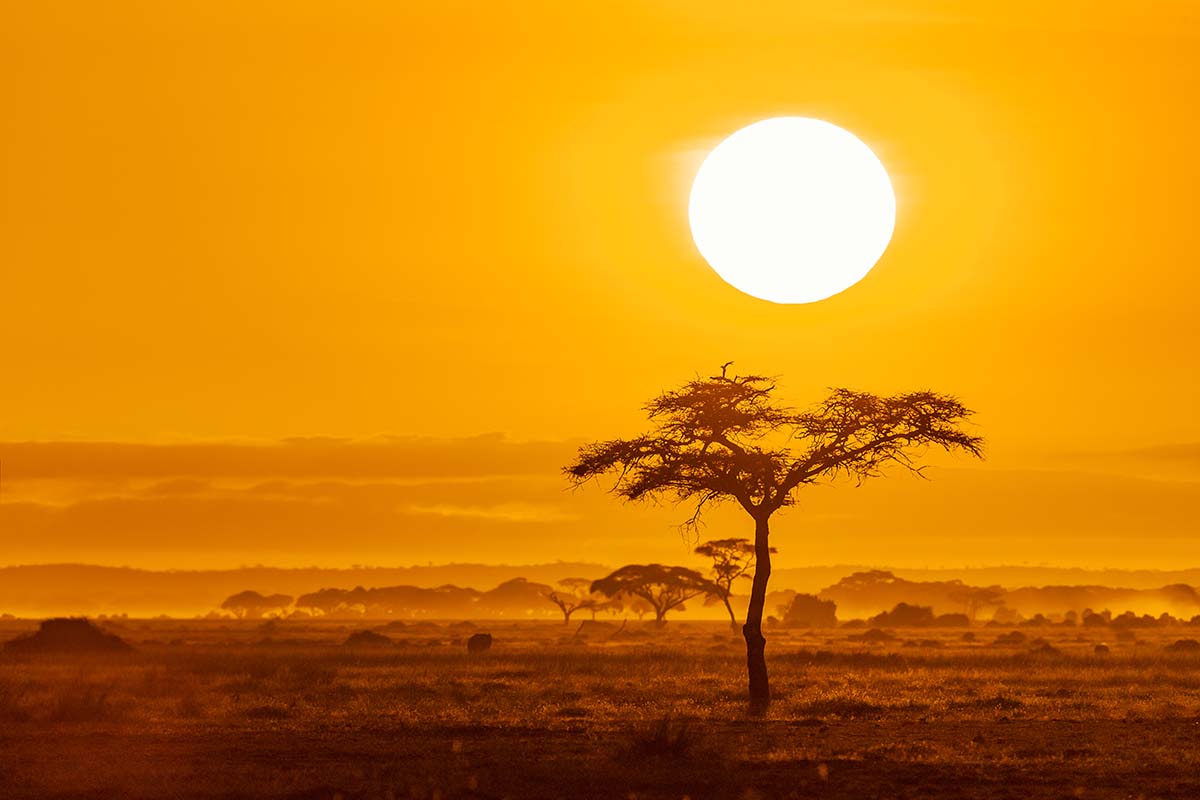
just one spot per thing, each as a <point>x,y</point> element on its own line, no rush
<point>271,269</point>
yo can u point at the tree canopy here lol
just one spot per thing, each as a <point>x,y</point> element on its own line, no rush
<point>723,438</point>
<point>253,605</point>
<point>663,587</point>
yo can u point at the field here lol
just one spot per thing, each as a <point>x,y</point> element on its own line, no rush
<point>218,709</point>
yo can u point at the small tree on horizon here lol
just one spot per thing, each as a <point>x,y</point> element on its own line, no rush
<point>631,604</point>
<point>663,588</point>
<point>732,559</point>
<point>808,611</point>
<point>576,596</point>
<point>724,438</point>
<point>976,598</point>
<point>253,605</point>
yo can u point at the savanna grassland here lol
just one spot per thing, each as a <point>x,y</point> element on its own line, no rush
<point>220,709</point>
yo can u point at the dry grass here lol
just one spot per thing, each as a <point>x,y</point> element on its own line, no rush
<point>221,714</point>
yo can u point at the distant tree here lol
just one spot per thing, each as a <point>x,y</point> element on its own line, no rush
<point>976,598</point>
<point>252,605</point>
<point>904,616</point>
<point>809,611</point>
<point>724,438</point>
<point>1007,616</point>
<point>632,604</point>
<point>611,605</point>
<point>575,595</point>
<point>663,588</point>
<point>516,597</point>
<point>731,559</point>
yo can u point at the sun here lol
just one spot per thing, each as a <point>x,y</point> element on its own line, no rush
<point>792,209</point>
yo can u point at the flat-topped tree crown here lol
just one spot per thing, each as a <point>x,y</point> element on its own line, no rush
<point>725,438</point>
<point>663,587</point>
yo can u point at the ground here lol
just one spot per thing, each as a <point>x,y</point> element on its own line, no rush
<point>220,709</point>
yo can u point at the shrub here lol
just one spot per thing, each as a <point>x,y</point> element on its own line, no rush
<point>14,705</point>
<point>367,639</point>
<point>810,611</point>
<point>86,703</point>
<point>664,738</point>
<point>904,616</point>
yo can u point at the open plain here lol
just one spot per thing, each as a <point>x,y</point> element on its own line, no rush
<point>208,709</point>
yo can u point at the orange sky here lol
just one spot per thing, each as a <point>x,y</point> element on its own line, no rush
<point>229,221</point>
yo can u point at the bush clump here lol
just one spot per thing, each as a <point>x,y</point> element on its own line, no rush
<point>68,635</point>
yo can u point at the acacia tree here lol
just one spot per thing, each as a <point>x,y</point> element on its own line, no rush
<point>629,603</point>
<point>664,588</point>
<point>975,598</point>
<point>732,559</point>
<point>574,597</point>
<point>252,605</point>
<point>725,438</point>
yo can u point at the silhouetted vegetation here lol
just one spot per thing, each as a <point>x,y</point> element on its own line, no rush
<point>725,438</point>
<point>663,588</point>
<point>809,611</point>
<point>252,605</point>
<point>732,559</point>
<point>368,639</point>
<point>574,595</point>
<point>905,615</point>
<point>516,597</point>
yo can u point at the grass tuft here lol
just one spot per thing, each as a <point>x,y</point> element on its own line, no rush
<point>665,738</point>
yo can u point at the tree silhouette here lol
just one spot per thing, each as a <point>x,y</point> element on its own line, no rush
<point>809,611</point>
<point>252,605</point>
<point>732,559</point>
<point>573,597</point>
<point>725,439</point>
<point>631,604</point>
<point>975,598</point>
<point>664,588</point>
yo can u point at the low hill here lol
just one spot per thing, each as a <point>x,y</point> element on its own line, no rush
<point>72,589</point>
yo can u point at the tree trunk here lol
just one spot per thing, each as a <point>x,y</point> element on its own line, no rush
<point>756,644</point>
<point>732,617</point>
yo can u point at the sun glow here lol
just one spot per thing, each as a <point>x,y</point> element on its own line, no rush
<point>792,210</point>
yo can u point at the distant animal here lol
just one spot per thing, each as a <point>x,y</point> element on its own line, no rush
<point>1101,650</point>
<point>479,643</point>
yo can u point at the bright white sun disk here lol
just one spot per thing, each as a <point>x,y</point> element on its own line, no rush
<point>792,210</point>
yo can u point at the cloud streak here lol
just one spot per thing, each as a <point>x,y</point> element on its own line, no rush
<point>383,457</point>
<point>405,501</point>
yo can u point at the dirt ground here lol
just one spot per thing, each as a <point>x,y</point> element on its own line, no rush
<point>221,709</point>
